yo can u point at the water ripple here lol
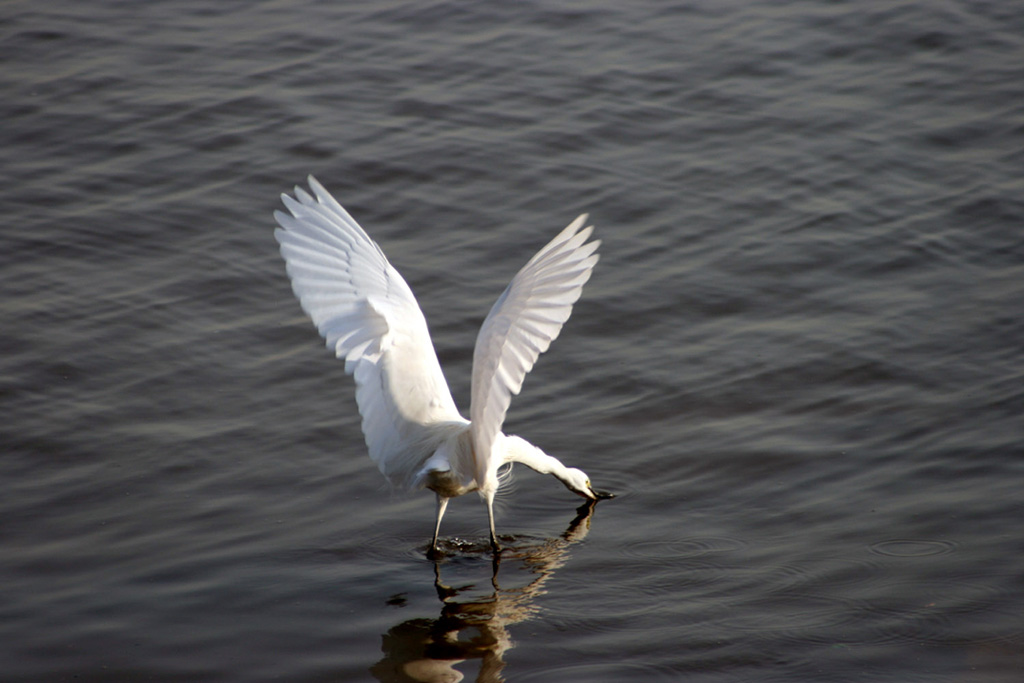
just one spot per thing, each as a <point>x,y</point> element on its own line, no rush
<point>614,671</point>
<point>909,547</point>
<point>672,551</point>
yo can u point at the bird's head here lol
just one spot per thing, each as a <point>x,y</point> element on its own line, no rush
<point>578,482</point>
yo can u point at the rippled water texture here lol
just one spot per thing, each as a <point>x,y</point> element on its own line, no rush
<point>799,362</point>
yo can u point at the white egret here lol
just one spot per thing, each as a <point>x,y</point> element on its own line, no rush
<point>368,315</point>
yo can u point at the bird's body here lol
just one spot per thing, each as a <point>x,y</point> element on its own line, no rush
<point>368,315</point>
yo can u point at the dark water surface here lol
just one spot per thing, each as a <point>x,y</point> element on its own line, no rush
<point>800,362</point>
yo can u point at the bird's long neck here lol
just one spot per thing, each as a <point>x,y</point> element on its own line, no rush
<point>520,450</point>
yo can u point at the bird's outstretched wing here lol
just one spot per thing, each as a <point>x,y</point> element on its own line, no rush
<point>368,316</point>
<point>523,322</point>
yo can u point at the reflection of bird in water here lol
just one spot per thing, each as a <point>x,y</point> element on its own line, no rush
<point>477,628</point>
<point>369,317</point>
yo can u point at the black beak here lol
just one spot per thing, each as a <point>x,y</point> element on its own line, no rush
<point>602,495</point>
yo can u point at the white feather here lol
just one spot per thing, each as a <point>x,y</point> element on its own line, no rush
<point>521,325</point>
<point>369,317</point>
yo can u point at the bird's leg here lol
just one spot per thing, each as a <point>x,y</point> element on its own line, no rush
<point>495,565</point>
<point>442,503</point>
<point>444,592</point>
<point>490,519</point>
